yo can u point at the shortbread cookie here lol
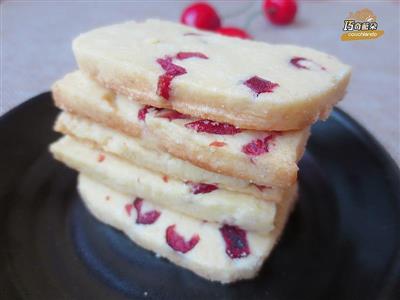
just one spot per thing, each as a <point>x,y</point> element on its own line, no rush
<point>249,84</point>
<point>196,199</point>
<point>264,158</point>
<point>134,150</point>
<point>216,252</point>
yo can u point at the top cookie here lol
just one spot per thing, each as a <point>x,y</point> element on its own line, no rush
<point>252,85</point>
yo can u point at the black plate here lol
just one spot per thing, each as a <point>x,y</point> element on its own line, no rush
<point>342,241</point>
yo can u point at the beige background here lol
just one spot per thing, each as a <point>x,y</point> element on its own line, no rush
<point>36,38</point>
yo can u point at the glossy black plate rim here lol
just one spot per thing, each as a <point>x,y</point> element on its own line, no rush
<point>390,168</point>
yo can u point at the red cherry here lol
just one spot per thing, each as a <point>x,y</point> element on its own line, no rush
<point>234,31</point>
<point>280,12</point>
<point>201,15</point>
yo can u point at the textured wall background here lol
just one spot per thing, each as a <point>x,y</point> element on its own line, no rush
<point>36,47</point>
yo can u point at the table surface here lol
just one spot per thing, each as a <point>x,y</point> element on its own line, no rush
<point>36,47</point>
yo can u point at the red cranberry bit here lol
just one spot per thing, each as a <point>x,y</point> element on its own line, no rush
<point>143,112</point>
<point>255,147</point>
<point>236,245</point>
<point>261,187</point>
<point>177,242</point>
<point>185,55</point>
<point>101,157</point>
<point>128,208</point>
<point>213,127</point>
<point>217,144</point>
<point>259,85</point>
<point>171,115</point>
<point>296,61</point>
<point>201,188</point>
<point>165,178</point>
<point>172,70</point>
<point>201,15</point>
<point>146,218</point>
<point>234,32</point>
<point>169,67</point>
<point>165,62</point>
<point>164,80</point>
<point>258,146</point>
<point>163,86</point>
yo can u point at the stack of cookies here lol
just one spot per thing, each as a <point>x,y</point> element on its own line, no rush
<point>188,141</point>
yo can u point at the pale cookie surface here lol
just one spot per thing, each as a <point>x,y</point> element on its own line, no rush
<point>210,250</point>
<point>198,200</point>
<point>249,84</point>
<point>265,158</point>
<point>135,150</point>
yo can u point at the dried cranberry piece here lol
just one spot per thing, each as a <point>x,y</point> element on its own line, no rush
<point>236,245</point>
<point>261,187</point>
<point>255,147</point>
<point>164,80</point>
<point>258,146</point>
<point>296,61</point>
<point>169,67</point>
<point>259,85</point>
<point>201,188</point>
<point>143,112</point>
<point>146,218</point>
<point>128,208</point>
<point>217,144</point>
<point>101,157</point>
<point>213,127</point>
<point>171,115</point>
<point>185,55</point>
<point>177,242</point>
<point>165,62</point>
<point>172,70</point>
<point>163,86</point>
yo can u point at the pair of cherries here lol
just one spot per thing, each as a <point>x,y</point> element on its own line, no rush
<point>203,16</point>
